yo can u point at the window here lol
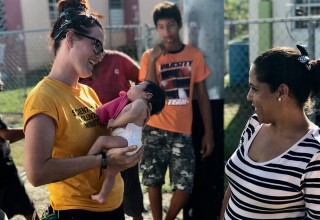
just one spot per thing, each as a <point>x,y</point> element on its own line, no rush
<point>306,8</point>
<point>53,13</point>
<point>116,14</point>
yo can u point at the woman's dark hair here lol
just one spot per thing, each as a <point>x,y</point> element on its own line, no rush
<point>158,98</point>
<point>73,15</point>
<point>283,65</point>
<point>166,10</point>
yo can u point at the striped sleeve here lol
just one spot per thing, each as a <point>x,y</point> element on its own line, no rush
<point>311,187</point>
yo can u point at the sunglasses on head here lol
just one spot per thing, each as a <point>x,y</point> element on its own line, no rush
<point>97,46</point>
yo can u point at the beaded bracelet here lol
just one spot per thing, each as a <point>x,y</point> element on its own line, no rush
<point>104,163</point>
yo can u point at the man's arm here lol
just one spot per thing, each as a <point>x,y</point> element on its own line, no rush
<point>151,66</point>
<point>205,110</point>
<point>12,134</point>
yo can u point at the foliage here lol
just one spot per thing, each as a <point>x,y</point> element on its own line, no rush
<point>236,9</point>
<point>12,101</point>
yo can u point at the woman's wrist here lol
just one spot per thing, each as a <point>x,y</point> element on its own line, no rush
<point>103,161</point>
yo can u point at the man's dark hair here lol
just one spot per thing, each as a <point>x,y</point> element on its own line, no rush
<point>158,98</point>
<point>166,10</point>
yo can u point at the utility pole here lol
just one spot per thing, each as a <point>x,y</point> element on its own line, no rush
<point>204,28</point>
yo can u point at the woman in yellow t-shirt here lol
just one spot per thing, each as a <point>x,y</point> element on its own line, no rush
<point>60,123</point>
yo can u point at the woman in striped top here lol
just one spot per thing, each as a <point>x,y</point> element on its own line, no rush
<point>275,172</point>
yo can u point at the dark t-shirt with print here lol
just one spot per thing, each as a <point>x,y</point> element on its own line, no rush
<point>7,166</point>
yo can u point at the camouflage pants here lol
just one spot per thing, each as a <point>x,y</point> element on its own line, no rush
<point>165,149</point>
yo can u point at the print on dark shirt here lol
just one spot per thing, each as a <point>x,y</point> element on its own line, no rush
<point>176,83</point>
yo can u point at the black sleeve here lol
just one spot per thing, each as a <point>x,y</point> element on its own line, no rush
<point>3,125</point>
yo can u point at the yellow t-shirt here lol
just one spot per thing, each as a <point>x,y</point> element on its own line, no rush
<point>77,127</point>
<point>176,73</point>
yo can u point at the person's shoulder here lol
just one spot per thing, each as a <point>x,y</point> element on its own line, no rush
<point>84,86</point>
<point>148,51</point>
<point>115,53</point>
<point>146,54</point>
<point>315,132</point>
<point>253,122</point>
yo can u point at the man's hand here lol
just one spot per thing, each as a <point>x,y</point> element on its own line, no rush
<point>157,51</point>
<point>207,145</point>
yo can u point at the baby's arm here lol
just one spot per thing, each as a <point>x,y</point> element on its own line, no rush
<point>138,107</point>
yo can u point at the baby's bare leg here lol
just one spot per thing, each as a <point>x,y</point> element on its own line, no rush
<point>107,185</point>
<point>107,142</point>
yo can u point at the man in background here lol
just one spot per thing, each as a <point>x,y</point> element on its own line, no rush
<point>13,197</point>
<point>180,70</point>
<point>113,74</point>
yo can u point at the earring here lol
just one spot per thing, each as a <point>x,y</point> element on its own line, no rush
<point>279,99</point>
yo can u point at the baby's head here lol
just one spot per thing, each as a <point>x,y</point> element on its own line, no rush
<point>151,92</point>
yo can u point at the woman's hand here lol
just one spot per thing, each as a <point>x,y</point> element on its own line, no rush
<point>119,160</point>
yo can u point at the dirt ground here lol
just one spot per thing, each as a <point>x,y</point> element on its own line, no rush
<point>40,197</point>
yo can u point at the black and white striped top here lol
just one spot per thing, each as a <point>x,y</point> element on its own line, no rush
<point>286,187</point>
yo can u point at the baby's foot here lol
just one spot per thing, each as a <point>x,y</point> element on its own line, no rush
<point>98,198</point>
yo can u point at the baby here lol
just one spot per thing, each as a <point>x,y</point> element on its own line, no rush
<point>131,112</point>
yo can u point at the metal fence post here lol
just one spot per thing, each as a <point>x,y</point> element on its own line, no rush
<point>311,38</point>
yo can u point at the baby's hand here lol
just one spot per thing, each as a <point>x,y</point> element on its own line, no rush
<point>110,123</point>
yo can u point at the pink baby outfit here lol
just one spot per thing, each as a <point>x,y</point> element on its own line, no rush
<point>111,110</point>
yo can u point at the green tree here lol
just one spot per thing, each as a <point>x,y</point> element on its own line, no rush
<point>236,10</point>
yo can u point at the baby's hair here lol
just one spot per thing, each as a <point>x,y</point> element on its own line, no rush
<point>158,98</point>
<point>166,9</point>
<point>73,15</point>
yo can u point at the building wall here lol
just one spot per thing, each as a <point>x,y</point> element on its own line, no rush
<point>102,8</point>
<point>13,16</point>
<point>35,15</point>
<point>145,11</point>
<point>117,38</point>
<point>131,14</point>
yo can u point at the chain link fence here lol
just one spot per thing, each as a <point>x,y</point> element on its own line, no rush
<point>24,60</point>
<point>245,40</point>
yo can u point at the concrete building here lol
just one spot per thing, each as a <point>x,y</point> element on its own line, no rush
<point>33,15</point>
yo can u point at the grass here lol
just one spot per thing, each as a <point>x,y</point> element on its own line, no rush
<point>11,101</point>
<point>17,152</point>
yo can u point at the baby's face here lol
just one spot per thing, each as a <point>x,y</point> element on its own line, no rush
<point>137,91</point>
